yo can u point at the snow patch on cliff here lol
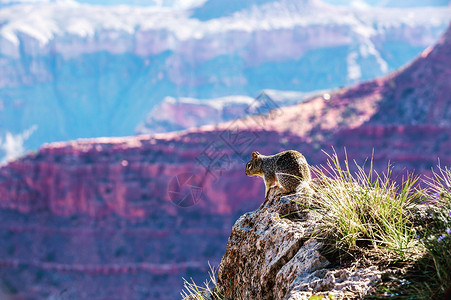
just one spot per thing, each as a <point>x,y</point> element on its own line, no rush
<point>354,71</point>
<point>13,145</point>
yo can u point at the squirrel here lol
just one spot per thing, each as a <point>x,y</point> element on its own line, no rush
<point>285,169</point>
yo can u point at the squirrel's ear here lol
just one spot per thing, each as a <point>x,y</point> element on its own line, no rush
<point>255,154</point>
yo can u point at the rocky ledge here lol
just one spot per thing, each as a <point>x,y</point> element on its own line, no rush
<point>274,253</point>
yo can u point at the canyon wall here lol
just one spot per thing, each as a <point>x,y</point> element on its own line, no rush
<point>100,70</point>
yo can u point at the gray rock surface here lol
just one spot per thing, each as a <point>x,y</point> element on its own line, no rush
<point>274,253</point>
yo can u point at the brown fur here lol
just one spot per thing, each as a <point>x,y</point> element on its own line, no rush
<point>285,169</point>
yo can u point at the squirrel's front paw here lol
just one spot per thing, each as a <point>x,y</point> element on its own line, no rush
<point>276,192</point>
<point>267,193</point>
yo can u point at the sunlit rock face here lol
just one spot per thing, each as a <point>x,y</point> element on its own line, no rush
<point>176,114</point>
<point>98,71</point>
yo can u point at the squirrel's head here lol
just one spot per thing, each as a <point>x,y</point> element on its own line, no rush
<point>254,166</point>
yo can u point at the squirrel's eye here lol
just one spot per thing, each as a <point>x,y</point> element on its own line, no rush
<point>248,165</point>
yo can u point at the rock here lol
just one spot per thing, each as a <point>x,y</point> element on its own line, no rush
<point>269,256</point>
<point>344,283</point>
<point>176,114</point>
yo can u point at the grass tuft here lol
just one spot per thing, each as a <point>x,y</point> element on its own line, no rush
<point>364,207</point>
<point>191,291</point>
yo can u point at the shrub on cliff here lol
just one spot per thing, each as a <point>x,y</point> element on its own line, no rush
<point>435,235</point>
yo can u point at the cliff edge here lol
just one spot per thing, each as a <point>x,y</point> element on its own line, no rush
<point>274,253</point>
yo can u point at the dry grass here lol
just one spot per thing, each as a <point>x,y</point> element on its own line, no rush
<point>209,291</point>
<point>364,207</point>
